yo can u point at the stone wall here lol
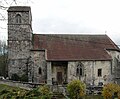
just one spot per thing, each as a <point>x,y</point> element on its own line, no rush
<point>17,66</point>
<point>115,65</point>
<point>19,32</point>
<point>114,55</point>
<point>39,63</point>
<point>19,40</point>
<point>19,49</point>
<point>91,71</point>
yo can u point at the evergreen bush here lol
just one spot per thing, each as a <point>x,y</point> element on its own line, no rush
<point>76,89</point>
<point>15,77</point>
<point>24,78</point>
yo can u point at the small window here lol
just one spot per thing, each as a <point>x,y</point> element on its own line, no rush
<point>79,70</point>
<point>18,18</point>
<point>99,72</point>
<point>40,71</point>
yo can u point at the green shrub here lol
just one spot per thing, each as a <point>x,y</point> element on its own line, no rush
<point>9,95</point>
<point>41,92</point>
<point>24,78</point>
<point>110,90</point>
<point>45,92</point>
<point>44,89</point>
<point>76,89</point>
<point>4,91</point>
<point>15,77</point>
<point>33,93</point>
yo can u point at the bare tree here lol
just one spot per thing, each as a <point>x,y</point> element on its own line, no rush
<point>3,58</point>
<point>3,47</point>
<point>4,5</point>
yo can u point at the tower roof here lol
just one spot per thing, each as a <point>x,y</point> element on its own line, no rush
<point>19,8</point>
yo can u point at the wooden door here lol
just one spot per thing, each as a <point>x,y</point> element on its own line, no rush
<point>59,77</point>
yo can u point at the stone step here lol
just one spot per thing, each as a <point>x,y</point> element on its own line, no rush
<point>58,96</point>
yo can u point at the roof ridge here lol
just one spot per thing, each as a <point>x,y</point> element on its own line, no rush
<point>72,34</point>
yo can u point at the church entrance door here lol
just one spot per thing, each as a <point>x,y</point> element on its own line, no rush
<point>59,77</point>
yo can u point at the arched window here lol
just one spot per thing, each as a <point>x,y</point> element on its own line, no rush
<point>80,70</point>
<point>40,71</point>
<point>18,18</point>
<point>77,71</point>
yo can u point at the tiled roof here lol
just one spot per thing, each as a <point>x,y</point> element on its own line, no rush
<point>74,47</point>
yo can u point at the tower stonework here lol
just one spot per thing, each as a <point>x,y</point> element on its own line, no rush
<point>19,40</point>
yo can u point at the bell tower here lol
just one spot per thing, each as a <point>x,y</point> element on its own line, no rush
<point>19,39</point>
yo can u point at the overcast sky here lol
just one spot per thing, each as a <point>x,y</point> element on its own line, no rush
<point>73,16</point>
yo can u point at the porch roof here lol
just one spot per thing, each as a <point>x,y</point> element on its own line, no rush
<point>61,47</point>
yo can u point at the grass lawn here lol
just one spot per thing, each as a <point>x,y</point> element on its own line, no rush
<point>2,87</point>
<point>5,90</point>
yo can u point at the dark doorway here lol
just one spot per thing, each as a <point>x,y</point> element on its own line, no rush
<point>59,77</point>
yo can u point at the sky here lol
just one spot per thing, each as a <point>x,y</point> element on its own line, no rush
<point>70,16</point>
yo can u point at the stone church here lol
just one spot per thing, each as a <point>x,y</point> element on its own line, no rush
<point>59,58</point>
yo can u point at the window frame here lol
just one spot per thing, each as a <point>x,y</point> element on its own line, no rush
<point>80,70</point>
<point>99,72</point>
<point>18,19</point>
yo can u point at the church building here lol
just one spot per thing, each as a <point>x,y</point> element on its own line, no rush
<point>59,58</point>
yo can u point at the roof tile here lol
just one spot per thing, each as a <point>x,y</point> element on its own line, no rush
<point>74,47</point>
